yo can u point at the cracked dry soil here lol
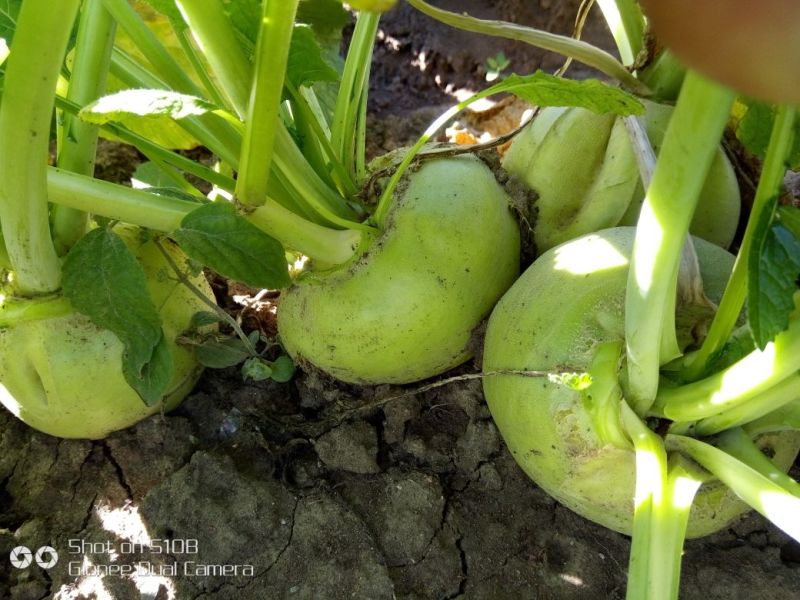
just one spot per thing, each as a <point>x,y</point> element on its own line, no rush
<point>314,497</point>
<point>417,499</point>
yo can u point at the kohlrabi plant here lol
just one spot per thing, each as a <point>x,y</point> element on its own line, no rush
<point>645,378</point>
<point>63,372</point>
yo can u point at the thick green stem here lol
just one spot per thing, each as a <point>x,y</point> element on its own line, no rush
<point>26,113</point>
<point>736,385</point>
<point>772,399</point>
<point>626,23</point>
<point>583,52</point>
<point>263,115</point>
<point>664,76</point>
<point>87,82</point>
<point>165,213</point>
<point>217,40</point>
<point>602,398</point>
<point>360,152</point>
<point>690,143</point>
<point>14,311</point>
<point>764,495</point>
<point>346,116</point>
<point>325,245</point>
<point>651,475</point>
<point>739,445</point>
<point>161,213</point>
<point>765,200</point>
<point>668,529</point>
<point>786,418</point>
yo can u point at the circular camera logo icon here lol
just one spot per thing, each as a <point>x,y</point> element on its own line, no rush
<point>21,557</point>
<point>46,557</point>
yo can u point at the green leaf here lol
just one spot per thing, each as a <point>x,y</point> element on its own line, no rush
<point>133,104</point>
<point>162,181</point>
<point>306,62</point>
<point>323,15</point>
<point>219,354</point>
<point>217,236</point>
<point>153,379</point>
<point>9,11</point>
<point>754,121</point>
<point>257,369</point>
<point>542,89</point>
<point>150,113</point>
<point>283,369</point>
<point>204,318</point>
<point>150,175</point>
<point>104,281</point>
<point>773,270</point>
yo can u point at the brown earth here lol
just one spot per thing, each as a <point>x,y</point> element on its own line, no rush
<point>319,490</point>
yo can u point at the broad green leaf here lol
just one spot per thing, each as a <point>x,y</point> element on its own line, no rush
<point>257,369</point>
<point>541,89</point>
<point>153,379</point>
<point>150,113</point>
<point>773,270</point>
<point>306,63</point>
<point>104,281</point>
<point>219,354</point>
<point>133,104</point>
<point>323,15</point>
<point>753,127</point>
<point>218,237</point>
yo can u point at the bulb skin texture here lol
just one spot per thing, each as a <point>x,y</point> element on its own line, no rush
<point>583,168</point>
<point>405,309</point>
